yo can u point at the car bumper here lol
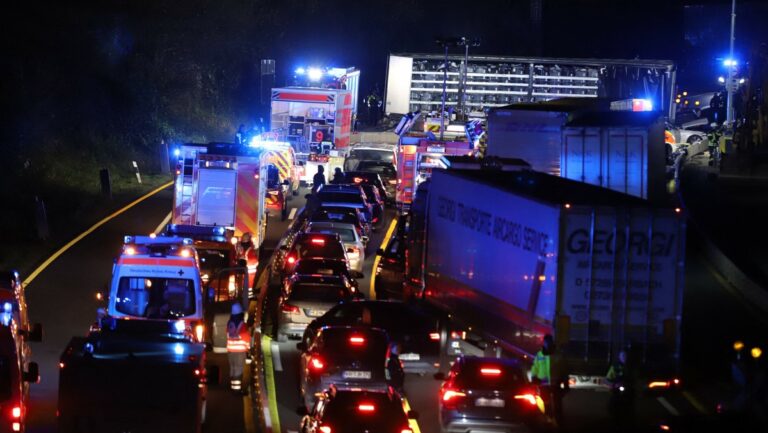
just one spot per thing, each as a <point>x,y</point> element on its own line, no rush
<point>470,425</point>
<point>356,264</point>
<point>292,329</point>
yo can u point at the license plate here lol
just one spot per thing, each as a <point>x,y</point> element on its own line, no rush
<point>315,313</point>
<point>410,357</point>
<point>489,402</point>
<point>356,375</point>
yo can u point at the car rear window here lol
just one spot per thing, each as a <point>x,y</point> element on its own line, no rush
<point>489,375</point>
<point>346,235</point>
<point>343,411</point>
<point>338,348</point>
<point>340,197</point>
<point>329,249</point>
<point>318,292</point>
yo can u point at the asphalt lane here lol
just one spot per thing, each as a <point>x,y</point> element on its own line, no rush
<point>62,298</point>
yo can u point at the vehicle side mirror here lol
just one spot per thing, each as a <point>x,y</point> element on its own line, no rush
<point>301,346</point>
<point>439,376</point>
<point>365,239</point>
<point>302,411</point>
<point>380,252</point>
<point>32,375</point>
<point>412,414</point>
<point>242,263</point>
<point>212,374</point>
<point>357,274</point>
<point>36,333</point>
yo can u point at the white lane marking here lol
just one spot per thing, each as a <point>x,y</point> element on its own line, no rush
<point>276,357</point>
<point>292,215</point>
<point>671,409</point>
<point>162,224</point>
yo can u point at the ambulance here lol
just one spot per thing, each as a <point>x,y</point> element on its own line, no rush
<point>158,278</point>
<point>222,185</point>
<point>283,178</point>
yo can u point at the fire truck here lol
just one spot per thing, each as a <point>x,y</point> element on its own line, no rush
<point>283,178</point>
<point>418,152</point>
<point>222,185</point>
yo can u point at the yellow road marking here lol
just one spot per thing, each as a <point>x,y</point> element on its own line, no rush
<point>695,402</point>
<point>390,230</point>
<point>266,350</point>
<point>82,235</point>
<point>166,220</point>
<point>411,422</point>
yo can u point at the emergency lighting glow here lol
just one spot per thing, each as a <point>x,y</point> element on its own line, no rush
<point>178,349</point>
<point>130,251</point>
<point>741,81</point>
<point>300,71</point>
<point>642,105</point>
<point>199,332</point>
<point>738,345</point>
<point>176,152</point>
<point>366,407</point>
<point>315,74</point>
<point>233,240</point>
<point>7,307</point>
<point>16,412</point>
<point>756,352</point>
<point>730,63</point>
<point>179,326</point>
<point>185,252</point>
<point>721,79</point>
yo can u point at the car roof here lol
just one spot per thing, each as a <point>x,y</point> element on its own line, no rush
<point>318,279</point>
<point>330,224</point>
<point>374,146</point>
<point>301,237</point>
<point>477,360</point>
<point>345,188</point>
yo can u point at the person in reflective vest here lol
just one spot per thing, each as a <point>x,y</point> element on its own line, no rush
<point>545,372</point>
<point>238,343</point>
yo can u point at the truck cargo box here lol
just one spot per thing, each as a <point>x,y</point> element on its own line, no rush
<point>517,255</point>
<point>621,151</point>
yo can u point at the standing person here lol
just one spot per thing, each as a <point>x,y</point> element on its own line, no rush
<point>318,179</point>
<point>545,372</point>
<point>338,176</point>
<point>622,402</point>
<point>238,343</point>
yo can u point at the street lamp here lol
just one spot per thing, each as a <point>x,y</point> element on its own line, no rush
<point>445,43</point>
<point>731,64</point>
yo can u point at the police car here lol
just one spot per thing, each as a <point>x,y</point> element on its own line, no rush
<point>158,277</point>
<point>16,369</point>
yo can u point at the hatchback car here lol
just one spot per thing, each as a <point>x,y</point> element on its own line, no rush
<point>377,203</point>
<point>385,170</point>
<point>415,331</point>
<point>353,243</point>
<point>339,214</point>
<point>357,410</point>
<point>308,297</point>
<point>488,394</point>
<point>312,245</point>
<point>345,196</point>
<point>370,178</point>
<point>327,268</point>
<point>345,356</point>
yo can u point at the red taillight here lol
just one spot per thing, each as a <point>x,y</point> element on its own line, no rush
<point>530,398</point>
<point>356,340</point>
<point>366,407</point>
<point>357,179</point>
<point>318,241</point>
<point>375,220</point>
<point>316,363</point>
<point>291,260</point>
<point>434,336</point>
<point>325,429</point>
<point>288,308</point>
<point>451,397</point>
<point>16,412</point>
<point>490,371</point>
<point>406,430</point>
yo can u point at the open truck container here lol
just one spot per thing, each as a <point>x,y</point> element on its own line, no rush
<point>513,256</point>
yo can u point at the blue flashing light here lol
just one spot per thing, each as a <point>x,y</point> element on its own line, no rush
<point>176,152</point>
<point>88,347</point>
<point>220,230</point>
<point>300,71</point>
<point>267,144</point>
<point>178,349</point>
<point>315,74</point>
<point>730,63</point>
<point>7,307</point>
<point>179,326</point>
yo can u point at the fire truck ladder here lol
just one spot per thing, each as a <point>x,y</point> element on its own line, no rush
<point>188,174</point>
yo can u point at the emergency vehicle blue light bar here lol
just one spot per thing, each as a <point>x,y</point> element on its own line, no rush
<point>156,240</point>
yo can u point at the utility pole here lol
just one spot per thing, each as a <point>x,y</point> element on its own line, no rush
<point>462,106</point>
<point>445,84</point>
<point>731,64</point>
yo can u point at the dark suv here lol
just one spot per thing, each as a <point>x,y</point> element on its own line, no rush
<point>312,245</point>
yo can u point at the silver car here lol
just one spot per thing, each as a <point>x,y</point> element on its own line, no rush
<point>307,297</point>
<point>354,244</point>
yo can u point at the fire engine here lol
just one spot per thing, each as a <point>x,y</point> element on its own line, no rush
<point>158,277</point>
<point>222,185</point>
<point>283,179</point>
<point>418,151</point>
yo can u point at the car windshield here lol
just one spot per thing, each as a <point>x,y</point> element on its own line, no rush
<point>155,298</point>
<point>346,235</point>
<point>357,156</point>
<point>322,267</point>
<point>331,293</point>
<point>382,414</point>
<point>213,259</point>
<point>330,197</point>
<point>482,374</point>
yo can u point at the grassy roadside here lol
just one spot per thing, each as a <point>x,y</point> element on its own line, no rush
<point>70,211</point>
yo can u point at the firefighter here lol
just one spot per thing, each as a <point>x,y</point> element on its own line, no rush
<point>238,343</point>
<point>621,404</point>
<point>545,374</point>
<point>318,179</point>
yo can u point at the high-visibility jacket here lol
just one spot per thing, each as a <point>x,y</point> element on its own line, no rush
<point>541,368</point>
<point>238,339</point>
